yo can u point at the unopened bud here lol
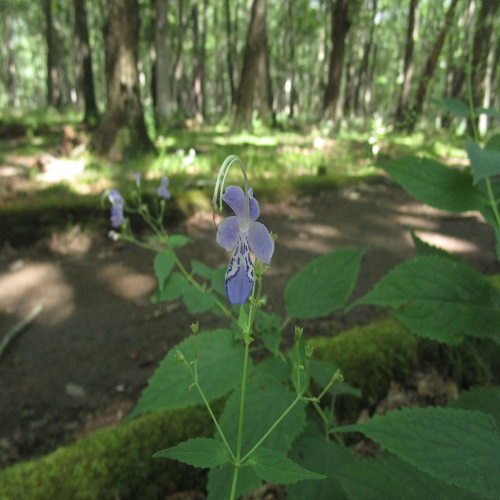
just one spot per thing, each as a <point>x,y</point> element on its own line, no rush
<point>178,356</point>
<point>298,333</point>
<point>195,328</point>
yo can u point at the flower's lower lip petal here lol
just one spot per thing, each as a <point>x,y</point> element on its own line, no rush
<point>240,274</point>
<point>261,242</point>
<point>228,233</point>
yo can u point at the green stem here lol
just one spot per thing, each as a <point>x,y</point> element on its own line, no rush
<point>271,429</point>
<point>211,413</point>
<point>493,202</point>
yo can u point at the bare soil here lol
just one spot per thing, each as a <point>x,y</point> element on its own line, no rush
<point>83,362</point>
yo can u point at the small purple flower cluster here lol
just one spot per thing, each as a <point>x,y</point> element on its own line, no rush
<point>118,203</point>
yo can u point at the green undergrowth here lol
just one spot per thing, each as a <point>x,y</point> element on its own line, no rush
<point>117,463</point>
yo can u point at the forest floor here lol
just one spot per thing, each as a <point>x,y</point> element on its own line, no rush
<point>82,363</point>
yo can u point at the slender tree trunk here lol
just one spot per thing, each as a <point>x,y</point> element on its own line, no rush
<point>84,72</point>
<point>254,63</point>
<point>229,52</point>
<point>411,32</point>
<point>340,26</point>
<point>53,79</point>
<point>122,130</point>
<point>481,47</point>
<point>365,63</point>
<point>163,73</point>
<point>430,66</point>
<point>10,72</point>
<point>196,97</point>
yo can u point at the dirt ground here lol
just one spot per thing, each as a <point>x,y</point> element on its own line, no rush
<point>84,360</point>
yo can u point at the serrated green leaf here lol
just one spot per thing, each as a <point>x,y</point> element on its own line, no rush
<point>198,301</point>
<point>173,289</point>
<point>221,478</point>
<point>493,143</point>
<point>275,467</point>
<point>392,479</point>
<point>456,446</point>
<point>219,368</point>
<point>485,162</point>
<point>424,248</point>
<point>198,452</point>
<point>436,185</point>
<point>268,326</point>
<point>202,270</point>
<point>163,264</point>
<point>266,399</point>
<point>454,106</point>
<point>323,285</point>
<point>218,281</point>
<point>439,298</point>
<point>326,457</point>
<point>178,240</point>
<point>485,399</point>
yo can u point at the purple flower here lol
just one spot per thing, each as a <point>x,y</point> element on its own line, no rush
<point>117,204</point>
<point>162,190</point>
<point>243,233</point>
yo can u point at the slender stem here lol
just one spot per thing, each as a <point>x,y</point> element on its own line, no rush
<point>493,202</point>
<point>271,429</point>
<point>211,413</point>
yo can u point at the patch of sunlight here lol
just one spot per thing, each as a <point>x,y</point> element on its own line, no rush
<point>30,284</point>
<point>246,139</point>
<point>449,243</point>
<point>127,283</point>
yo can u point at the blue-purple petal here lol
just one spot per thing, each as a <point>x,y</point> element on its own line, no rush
<point>228,233</point>
<point>116,198</point>
<point>117,218</point>
<point>261,242</point>
<point>235,198</point>
<point>240,274</point>
<point>162,189</point>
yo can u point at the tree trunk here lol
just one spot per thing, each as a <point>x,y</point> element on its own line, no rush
<point>196,97</point>
<point>481,47</point>
<point>229,53</point>
<point>411,33</point>
<point>9,70</point>
<point>53,79</point>
<point>255,67</point>
<point>84,72</point>
<point>340,25</point>
<point>365,63</point>
<point>430,66</point>
<point>122,130</point>
<point>163,96</point>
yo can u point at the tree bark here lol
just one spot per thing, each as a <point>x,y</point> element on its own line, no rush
<point>404,99</point>
<point>163,95</point>
<point>53,79</point>
<point>84,72</point>
<point>481,48</point>
<point>122,130</point>
<point>229,53</point>
<point>365,63</point>
<point>255,78</point>
<point>340,25</point>
<point>430,66</point>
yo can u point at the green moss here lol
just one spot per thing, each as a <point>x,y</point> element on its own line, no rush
<point>371,356</point>
<point>113,463</point>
